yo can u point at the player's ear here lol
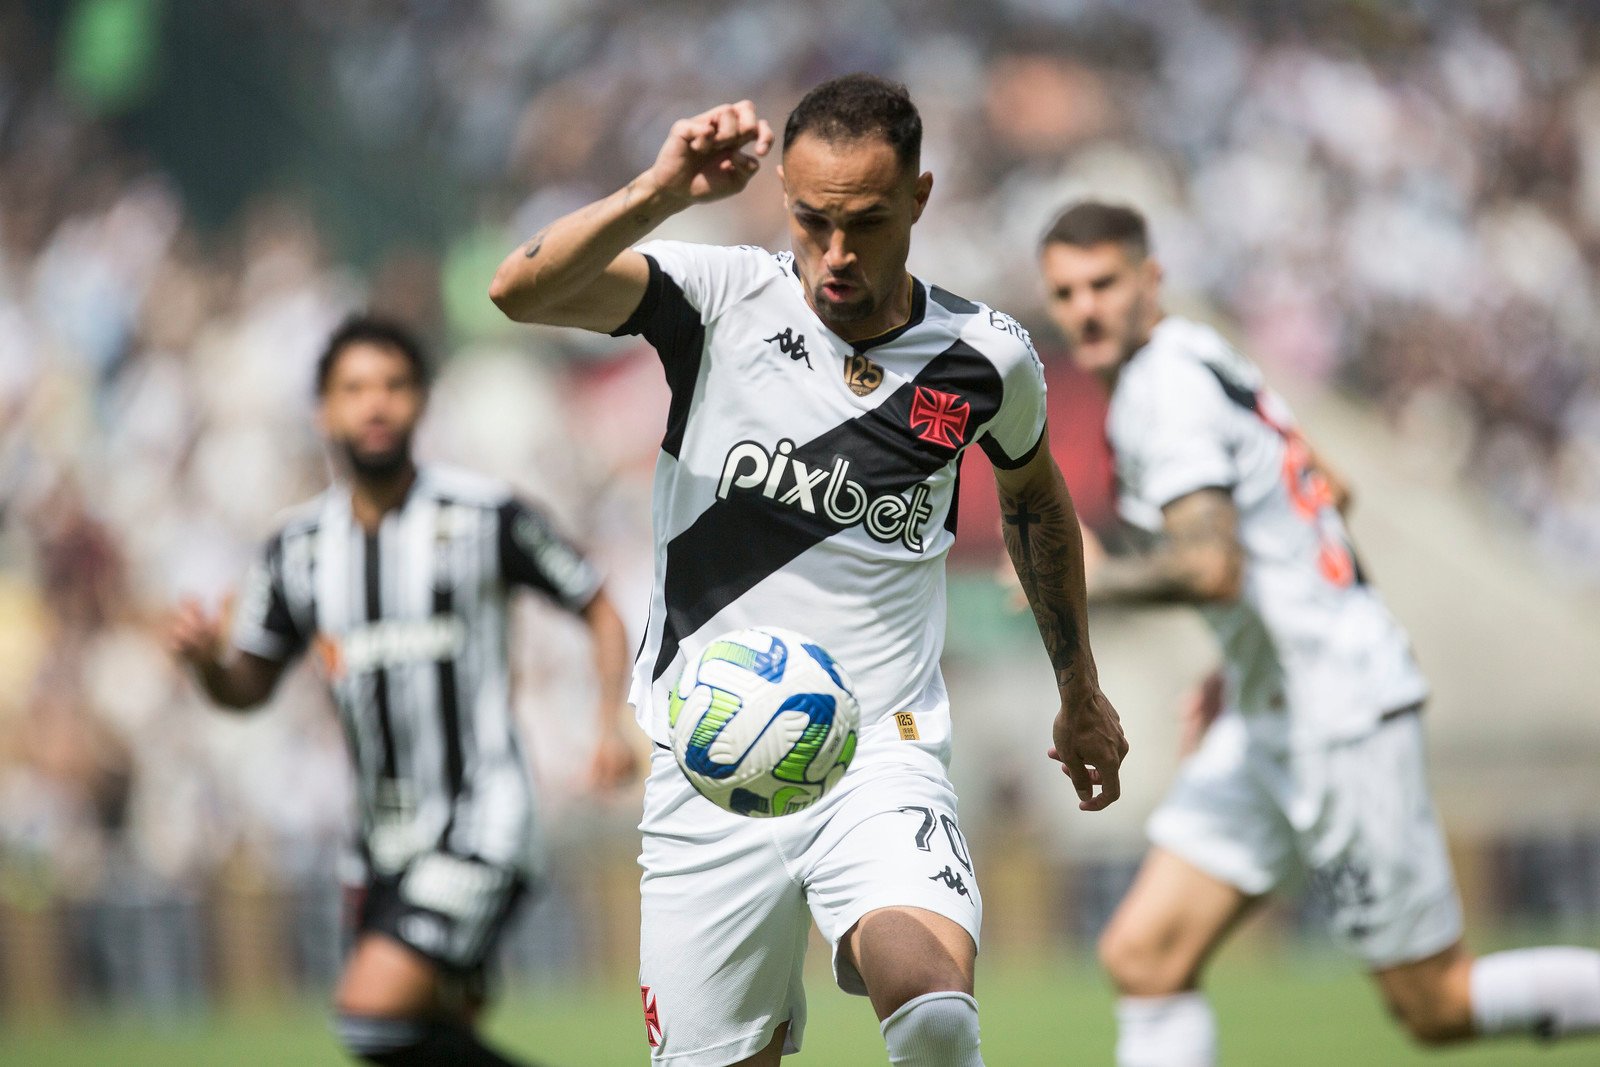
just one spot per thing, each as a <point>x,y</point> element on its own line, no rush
<point>923,190</point>
<point>1153,274</point>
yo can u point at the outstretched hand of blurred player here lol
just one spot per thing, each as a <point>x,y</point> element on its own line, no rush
<point>1200,709</point>
<point>703,158</point>
<point>615,763</point>
<point>1090,746</point>
<point>194,634</point>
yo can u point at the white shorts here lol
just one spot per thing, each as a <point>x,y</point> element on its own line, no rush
<point>1353,817</point>
<point>727,901</point>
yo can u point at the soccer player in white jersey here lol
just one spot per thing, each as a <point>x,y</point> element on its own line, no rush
<point>821,400</point>
<point>1315,763</point>
<point>399,578</point>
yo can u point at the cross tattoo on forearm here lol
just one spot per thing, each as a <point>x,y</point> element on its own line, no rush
<point>1022,520</point>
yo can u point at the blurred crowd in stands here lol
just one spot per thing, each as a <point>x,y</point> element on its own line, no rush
<point>1399,201</point>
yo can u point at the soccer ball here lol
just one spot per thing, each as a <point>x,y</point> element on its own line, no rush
<point>763,722</point>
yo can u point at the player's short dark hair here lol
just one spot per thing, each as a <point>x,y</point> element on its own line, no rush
<point>372,330</point>
<point>1091,222</point>
<point>856,106</point>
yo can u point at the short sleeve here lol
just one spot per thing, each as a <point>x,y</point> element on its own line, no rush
<point>534,555</point>
<point>1017,430</point>
<point>689,286</point>
<point>1180,432</point>
<point>263,624</point>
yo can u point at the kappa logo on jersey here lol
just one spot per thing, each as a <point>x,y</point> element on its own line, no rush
<point>652,1018</point>
<point>828,491</point>
<point>791,344</point>
<point>861,374</point>
<point>940,418</point>
<point>952,880</point>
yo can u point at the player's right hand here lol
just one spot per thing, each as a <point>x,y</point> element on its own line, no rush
<point>195,634</point>
<point>1090,746</point>
<point>703,158</point>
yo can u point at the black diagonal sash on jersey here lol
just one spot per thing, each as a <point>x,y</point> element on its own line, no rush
<point>739,540</point>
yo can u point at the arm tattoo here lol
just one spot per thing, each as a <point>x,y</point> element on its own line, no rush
<point>1201,541</point>
<point>535,243</point>
<point>1041,537</point>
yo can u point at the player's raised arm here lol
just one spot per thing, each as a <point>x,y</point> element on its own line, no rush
<point>1042,535</point>
<point>580,270</point>
<point>230,677</point>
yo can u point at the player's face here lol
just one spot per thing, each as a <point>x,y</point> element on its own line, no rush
<point>1105,300</point>
<point>851,206</point>
<point>370,408</point>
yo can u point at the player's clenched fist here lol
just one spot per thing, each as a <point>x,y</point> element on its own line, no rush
<point>703,158</point>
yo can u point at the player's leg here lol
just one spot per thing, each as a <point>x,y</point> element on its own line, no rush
<point>723,928</point>
<point>1220,843</point>
<point>918,970</point>
<point>1380,855</point>
<point>891,884</point>
<point>772,1055</point>
<point>394,1010</point>
<point>403,999</point>
<point>1154,949</point>
<point>1453,996</point>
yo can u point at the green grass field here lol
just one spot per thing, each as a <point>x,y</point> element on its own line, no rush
<point>1289,1011</point>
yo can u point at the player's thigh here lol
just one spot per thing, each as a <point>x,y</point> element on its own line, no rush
<point>434,924</point>
<point>904,953</point>
<point>772,1055</point>
<point>1166,927</point>
<point>892,845</point>
<point>386,979</point>
<point>1376,852</point>
<point>723,927</point>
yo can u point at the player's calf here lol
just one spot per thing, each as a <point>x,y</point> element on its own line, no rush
<point>1431,998</point>
<point>1543,992</point>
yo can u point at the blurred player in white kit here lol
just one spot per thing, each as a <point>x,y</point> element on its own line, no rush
<point>1312,758</point>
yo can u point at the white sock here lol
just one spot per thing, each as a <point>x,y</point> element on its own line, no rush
<point>934,1030</point>
<point>1172,1031</point>
<point>1547,991</point>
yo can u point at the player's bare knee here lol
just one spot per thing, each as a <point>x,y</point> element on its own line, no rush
<point>1140,964</point>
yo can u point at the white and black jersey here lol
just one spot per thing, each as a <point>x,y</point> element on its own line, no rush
<point>1308,635</point>
<point>408,625</point>
<point>809,482</point>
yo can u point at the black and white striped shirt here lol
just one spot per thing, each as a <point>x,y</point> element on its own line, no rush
<point>409,628</point>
